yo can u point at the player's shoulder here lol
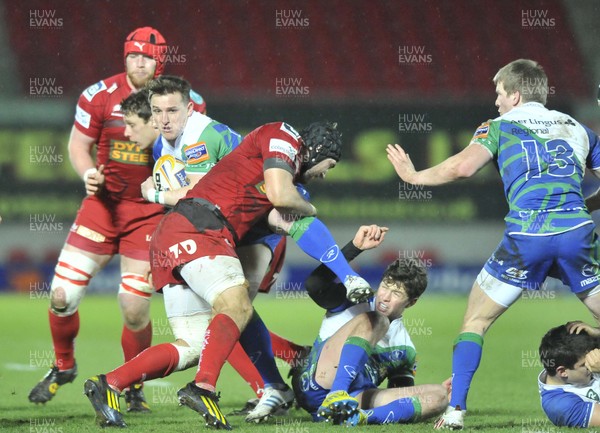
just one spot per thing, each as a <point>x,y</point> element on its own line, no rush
<point>104,88</point>
<point>280,130</point>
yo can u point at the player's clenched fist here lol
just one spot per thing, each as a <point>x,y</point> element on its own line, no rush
<point>94,180</point>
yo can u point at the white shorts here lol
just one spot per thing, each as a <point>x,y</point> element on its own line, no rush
<point>181,301</point>
<point>500,292</point>
<point>210,276</point>
<point>188,314</point>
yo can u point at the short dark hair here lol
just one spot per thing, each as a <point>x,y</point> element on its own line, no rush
<point>409,273</point>
<point>137,103</point>
<point>560,348</point>
<point>167,84</point>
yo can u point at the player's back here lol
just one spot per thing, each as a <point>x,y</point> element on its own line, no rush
<point>237,185</point>
<point>542,155</point>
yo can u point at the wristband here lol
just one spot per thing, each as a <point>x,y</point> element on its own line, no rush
<point>155,196</point>
<point>87,173</point>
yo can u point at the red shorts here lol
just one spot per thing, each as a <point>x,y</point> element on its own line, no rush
<point>177,241</point>
<point>115,226</point>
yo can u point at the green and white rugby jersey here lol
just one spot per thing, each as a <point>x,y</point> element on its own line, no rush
<point>541,155</point>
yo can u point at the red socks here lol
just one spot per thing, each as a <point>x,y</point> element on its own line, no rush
<point>154,362</point>
<point>221,336</point>
<point>135,342</point>
<point>64,330</point>
<point>240,361</point>
<point>285,349</point>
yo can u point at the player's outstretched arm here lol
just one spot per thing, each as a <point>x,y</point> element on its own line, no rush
<point>462,165</point>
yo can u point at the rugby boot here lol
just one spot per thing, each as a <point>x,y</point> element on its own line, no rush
<point>135,400</point>
<point>357,289</point>
<point>272,402</point>
<point>451,419</point>
<point>337,407</point>
<point>105,402</point>
<point>206,403</point>
<point>46,388</point>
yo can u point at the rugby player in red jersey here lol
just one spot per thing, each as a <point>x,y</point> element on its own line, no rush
<point>113,217</point>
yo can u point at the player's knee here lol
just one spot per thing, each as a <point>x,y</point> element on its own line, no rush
<point>235,303</point>
<point>189,332</point>
<point>135,318</point>
<point>71,278</point>
<point>134,293</point>
<point>58,299</point>
<point>441,398</point>
<point>135,284</point>
<point>433,399</point>
<point>246,310</point>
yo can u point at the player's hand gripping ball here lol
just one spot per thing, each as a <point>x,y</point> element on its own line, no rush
<point>169,174</point>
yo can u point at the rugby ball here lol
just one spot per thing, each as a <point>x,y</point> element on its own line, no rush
<point>169,174</point>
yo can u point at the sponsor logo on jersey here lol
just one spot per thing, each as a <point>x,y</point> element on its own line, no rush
<point>116,111</point>
<point>261,187</point>
<point>188,246</point>
<point>128,152</point>
<point>82,117</point>
<point>482,131</point>
<point>196,153</point>
<point>112,88</point>
<point>282,146</point>
<point>91,91</point>
<point>589,270</point>
<point>518,274</point>
<point>591,394</point>
<point>290,131</point>
<point>87,233</point>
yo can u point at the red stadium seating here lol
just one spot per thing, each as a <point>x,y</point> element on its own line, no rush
<point>233,49</point>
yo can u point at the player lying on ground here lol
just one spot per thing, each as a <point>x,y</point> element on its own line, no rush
<point>570,383</point>
<point>359,346</point>
<point>195,243</point>
<point>189,321</point>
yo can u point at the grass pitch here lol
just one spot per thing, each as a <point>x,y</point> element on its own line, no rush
<point>503,396</point>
